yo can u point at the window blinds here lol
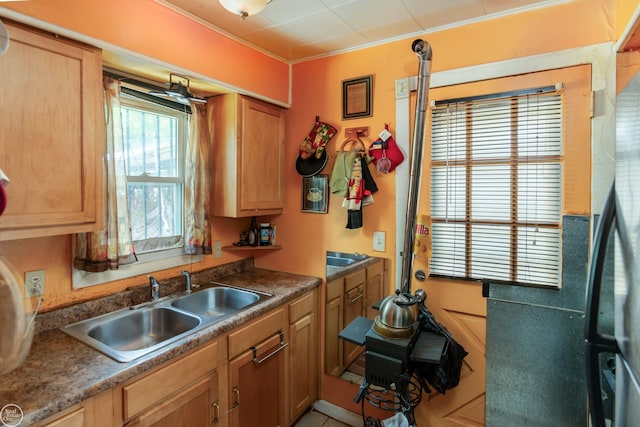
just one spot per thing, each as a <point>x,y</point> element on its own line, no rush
<point>496,169</point>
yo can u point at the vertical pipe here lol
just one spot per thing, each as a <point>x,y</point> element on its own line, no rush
<point>423,50</point>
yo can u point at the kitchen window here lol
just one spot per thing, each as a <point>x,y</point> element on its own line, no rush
<point>156,191</point>
<point>155,141</point>
<point>496,174</point>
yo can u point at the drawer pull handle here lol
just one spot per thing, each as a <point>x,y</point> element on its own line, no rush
<point>281,346</point>
<point>216,412</point>
<point>236,393</point>
<point>356,298</point>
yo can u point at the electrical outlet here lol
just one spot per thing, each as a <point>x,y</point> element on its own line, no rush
<point>217,249</point>
<point>378,241</point>
<point>34,283</point>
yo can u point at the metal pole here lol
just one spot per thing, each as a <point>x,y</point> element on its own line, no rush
<point>423,50</point>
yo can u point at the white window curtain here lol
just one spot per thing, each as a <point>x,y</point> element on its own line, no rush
<point>496,170</point>
<point>112,246</point>
<point>196,177</point>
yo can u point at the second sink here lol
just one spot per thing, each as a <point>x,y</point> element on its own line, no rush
<point>216,302</point>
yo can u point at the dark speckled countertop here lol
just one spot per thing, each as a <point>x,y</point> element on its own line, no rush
<point>60,371</point>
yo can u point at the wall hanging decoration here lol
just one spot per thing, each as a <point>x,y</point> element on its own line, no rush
<point>315,194</point>
<point>312,157</point>
<point>356,97</point>
<point>385,152</point>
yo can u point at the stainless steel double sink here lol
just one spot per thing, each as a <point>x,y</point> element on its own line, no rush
<point>133,332</point>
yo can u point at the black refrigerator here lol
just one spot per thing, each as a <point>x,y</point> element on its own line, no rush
<point>612,349</point>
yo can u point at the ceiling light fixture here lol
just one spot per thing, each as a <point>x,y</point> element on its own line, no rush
<point>244,8</point>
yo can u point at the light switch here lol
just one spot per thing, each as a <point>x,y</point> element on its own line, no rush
<point>378,241</point>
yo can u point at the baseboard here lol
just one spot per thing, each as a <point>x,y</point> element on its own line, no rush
<point>337,413</point>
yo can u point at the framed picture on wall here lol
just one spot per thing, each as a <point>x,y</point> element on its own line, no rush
<point>356,97</point>
<point>315,194</point>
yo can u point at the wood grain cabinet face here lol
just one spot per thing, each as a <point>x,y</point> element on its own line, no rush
<point>347,298</point>
<point>179,394</point>
<point>96,411</point>
<point>333,325</point>
<point>196,405</point>
<point>303,355</point>
<point>374,290</point>
<point>51,135</point>
<point>247,156</point>
<point>256,377</point>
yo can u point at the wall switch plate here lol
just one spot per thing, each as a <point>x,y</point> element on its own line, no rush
<point>217,249</point>
<point>34,283</point>
<point>378,241</point>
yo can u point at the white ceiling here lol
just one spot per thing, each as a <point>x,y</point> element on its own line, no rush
<point>295,30</point>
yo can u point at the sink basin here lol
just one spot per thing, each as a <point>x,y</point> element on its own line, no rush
<point>339,262</point>
<point>128,334</point>
<point>216,302</point>
<point>345,255</point>
<point>343,259</point>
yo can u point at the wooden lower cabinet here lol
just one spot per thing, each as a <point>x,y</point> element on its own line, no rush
<point>262,374</point>
<point>303,355</point>
<point>183,393</point>
<point>354,286</point>
<point>374,291</point>
<point>347,298</point>
<point>333,325</point>
<point>196,405</point>
<point>94,412</point>
<point>256,373</point>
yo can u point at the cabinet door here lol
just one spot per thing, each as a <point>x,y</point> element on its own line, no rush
<point>261,171</point>
<point>373,289</point>
<point>302,366</point>
<point>353,307</point>
<point>51,135</point>
<point>256,387</point>
<point>333,324</point>
<point>196,405</point>
<point>74,419</point>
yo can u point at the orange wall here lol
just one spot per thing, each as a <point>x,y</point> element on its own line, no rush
<point>151,29</point>
<point>624,13</point>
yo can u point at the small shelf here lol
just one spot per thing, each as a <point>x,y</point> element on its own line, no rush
<point>251,248</point>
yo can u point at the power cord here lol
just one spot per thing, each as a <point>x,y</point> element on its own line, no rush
<point>35,290</point>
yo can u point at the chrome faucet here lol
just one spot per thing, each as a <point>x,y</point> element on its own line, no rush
<point>155,288</point>
<point>187,279</point>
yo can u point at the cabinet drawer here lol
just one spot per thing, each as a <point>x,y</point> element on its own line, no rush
<point>301,307</point>
<point>335,288</point>
<point>375,269</point>
<point>354,279</point>
<point>160,384</point>
<point>256,332</point>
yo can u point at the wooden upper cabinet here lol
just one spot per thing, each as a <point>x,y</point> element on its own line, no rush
<point>247,156</point>
<point>51,134</point>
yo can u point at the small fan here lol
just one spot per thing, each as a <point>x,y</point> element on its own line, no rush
<point>4,39</point>
<point>179,91</point>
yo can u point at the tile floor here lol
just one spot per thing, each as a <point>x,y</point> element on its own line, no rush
<point>314,418</point>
